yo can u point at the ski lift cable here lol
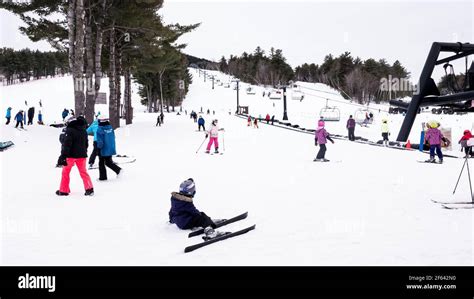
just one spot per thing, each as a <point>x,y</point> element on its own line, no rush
<point>318,90</point>
<point>344,102</point>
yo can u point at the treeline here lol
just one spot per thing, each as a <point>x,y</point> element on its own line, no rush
<point>356,79</point>
<point>258,68</point>
<point>23,65</point>
<point>116,38</point>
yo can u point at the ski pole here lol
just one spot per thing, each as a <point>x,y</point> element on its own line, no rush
<point>201,145</point>
<point>460,176</point>
<point>223,140</point>
<point>469,176</point>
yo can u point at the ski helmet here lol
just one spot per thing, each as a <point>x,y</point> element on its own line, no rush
<point>188,187</point>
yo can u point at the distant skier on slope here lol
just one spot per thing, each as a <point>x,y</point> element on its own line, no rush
<point>213,133</point>
<point>351,128</point>
<point>385,132</point>
<point>19,119</point>
<point>8,116</point>
<point>321,138</point>
<point>184,214</point>
<point>249,121</point>
<point>31,115</point>
<point>201,123</point>
<point>64,114</point>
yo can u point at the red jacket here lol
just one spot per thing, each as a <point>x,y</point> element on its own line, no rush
<point>467,135</point>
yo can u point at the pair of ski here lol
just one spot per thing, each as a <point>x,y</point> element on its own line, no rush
<point>455,205</point>
<point>429,162</point>
<point>222,236</point>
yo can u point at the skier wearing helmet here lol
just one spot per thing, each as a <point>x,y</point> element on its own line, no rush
<point>183,213</point>
<point>213,133</point>
<point>434,137</point>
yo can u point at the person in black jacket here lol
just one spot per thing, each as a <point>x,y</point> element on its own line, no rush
<point>74,152</point>
<point>31,115</point>
<point>183,213</point>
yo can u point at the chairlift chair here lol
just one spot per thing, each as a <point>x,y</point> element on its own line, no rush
<point>250,90</point>
<point>275,95</point>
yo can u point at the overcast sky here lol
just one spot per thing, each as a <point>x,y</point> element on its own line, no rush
<point>308,30</point>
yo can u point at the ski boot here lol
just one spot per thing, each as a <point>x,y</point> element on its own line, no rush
<point>207,152</point>
<point>431,160</point>
<point>89,192</point>
<point>59,193</point>
<point>210,233</point>
<point>216,151</point>
<point>91,166</point>
<point>440,161</point>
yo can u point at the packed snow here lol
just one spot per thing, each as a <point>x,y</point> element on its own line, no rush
<point>368,206</point>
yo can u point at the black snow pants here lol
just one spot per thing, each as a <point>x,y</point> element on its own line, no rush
<point>107,161</point>
<point>94,154</point>
<point>351,134</point>
<point>322,151</point>
<point>201,221</point>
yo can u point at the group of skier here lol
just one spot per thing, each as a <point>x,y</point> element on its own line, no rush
<point>23,117</point>
<point>74,144</point>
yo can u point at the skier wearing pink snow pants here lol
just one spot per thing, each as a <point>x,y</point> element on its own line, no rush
<point>213,133</point>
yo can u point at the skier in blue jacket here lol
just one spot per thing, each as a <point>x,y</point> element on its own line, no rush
<point>9,115</point>
<point>92,130</point>
<point>106,145</point>
<point>183,213</point>
<point>201,123</point>
<point>19,119</point>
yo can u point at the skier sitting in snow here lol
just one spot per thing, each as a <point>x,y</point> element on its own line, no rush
<point>214,134</point>
<point>183,213</point>
<point>321,138</point>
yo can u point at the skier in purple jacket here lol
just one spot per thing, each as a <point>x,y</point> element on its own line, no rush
<point>351,124</point>
<point>321,138</point>
<point>434,137</point>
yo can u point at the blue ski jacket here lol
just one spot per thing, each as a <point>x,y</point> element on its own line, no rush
<point>201,121</point>
<point>106,139</point>
<point>92,129</point>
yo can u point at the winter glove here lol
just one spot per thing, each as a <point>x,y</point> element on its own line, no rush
<point>332,141</point>
<point>62,161</point>
<point>316,142</point>
<point>207,135</point>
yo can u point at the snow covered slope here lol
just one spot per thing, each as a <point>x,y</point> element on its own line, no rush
<point>371,208</point>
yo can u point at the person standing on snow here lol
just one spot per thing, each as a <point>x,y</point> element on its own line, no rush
<point>255,123</point>
<point>213,133</point>
<point>321,138</point>
<point>92,130</point>
<point>434,137</point>
<point>267,118</point>
<point>74,152</point>
<point>351,128</point>
<point>31,115</point>
<point>8,116</point>
<point>385,132</point>
<point>464,143</point>
<point>183,213</point>
<point>40,118</point>
<point>273,119</point>
<point>249,121</point>
<point>19,119</point>
<point>201,123</point>
<point>106,146</point>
